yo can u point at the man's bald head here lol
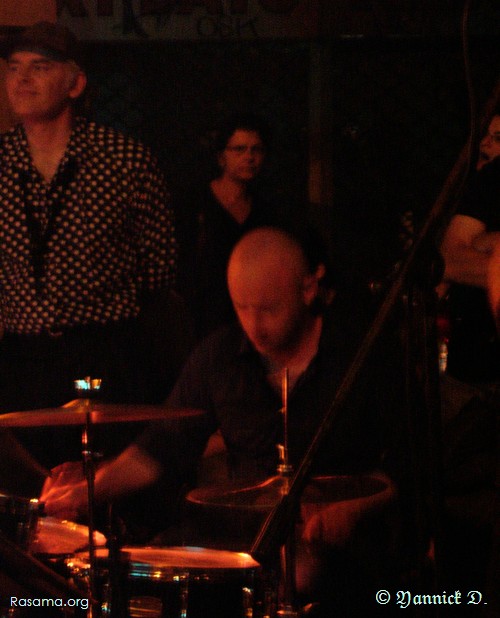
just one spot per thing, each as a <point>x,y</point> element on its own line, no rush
<point>272,288</point>
<point>269,253</point>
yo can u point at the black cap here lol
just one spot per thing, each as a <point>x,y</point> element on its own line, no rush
<point>46,38</point>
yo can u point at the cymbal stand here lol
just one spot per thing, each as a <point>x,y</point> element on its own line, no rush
<point>288,550</point>
<point>86,388</point>
<point>115,603</point>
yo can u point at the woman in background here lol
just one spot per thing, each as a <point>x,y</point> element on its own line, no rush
<point>215,217</point>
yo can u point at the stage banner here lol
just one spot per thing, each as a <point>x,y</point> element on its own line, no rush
<point>197,20</point>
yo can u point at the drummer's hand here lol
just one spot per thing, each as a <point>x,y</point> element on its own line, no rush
<point>332,524</point>
<point>66,473</point>
<point>65,491</point>
<point>66,502</point>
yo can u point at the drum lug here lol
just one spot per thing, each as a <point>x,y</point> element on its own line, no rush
<point>106,600</point>
<point>248,602</point>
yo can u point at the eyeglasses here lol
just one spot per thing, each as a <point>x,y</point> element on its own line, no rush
<point>495,137</point>
<point>241,149</point>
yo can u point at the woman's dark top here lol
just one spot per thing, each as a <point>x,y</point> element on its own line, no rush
<point>207,235</point>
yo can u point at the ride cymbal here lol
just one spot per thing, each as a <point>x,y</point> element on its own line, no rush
<point>75,413</point>
<point>266,495</point>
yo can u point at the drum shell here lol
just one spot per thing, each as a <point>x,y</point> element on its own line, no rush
<point>182,581</point>
<point>19,519</point>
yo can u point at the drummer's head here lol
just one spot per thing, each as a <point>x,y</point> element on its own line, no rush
<point>273,288</point>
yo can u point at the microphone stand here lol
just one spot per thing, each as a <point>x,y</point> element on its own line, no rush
<point>421,266</point>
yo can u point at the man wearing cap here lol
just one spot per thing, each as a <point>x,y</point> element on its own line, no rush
<point>86,234</point>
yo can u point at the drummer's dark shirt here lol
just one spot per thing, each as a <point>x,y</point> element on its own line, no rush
<point>226,378</point>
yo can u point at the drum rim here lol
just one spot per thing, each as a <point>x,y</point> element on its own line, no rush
<point>243,564</point>
<point>28,505</point>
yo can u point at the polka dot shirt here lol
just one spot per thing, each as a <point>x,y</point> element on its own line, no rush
<point>82,248</point>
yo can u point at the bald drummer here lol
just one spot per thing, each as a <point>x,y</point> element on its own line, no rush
<point>236,376</point>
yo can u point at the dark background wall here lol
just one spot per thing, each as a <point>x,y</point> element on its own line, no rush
<point>174,94</point>
<point>399,110</point>
<point>401,119</point>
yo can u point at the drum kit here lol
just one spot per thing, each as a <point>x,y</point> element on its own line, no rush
<point>180,582</point>
<point>61,559</point>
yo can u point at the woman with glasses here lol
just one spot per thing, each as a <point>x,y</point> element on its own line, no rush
<point>218,215</point>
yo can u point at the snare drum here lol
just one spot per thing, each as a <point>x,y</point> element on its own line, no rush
<point>59,538</point>
<point>185,582</point>
<point>19,519</point>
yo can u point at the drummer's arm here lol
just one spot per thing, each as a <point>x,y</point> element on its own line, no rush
<point>494,284</point>
<point>132,470</point>
<point>65,493</point>
<point>466,250</point>
<point>335,523</point>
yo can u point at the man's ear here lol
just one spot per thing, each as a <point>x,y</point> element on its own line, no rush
<point>79,85</point>
<point>311,284</point>
<point>320,272</point>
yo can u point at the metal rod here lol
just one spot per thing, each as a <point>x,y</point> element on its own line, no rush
<point>89,386</point>
<point>89,471</point>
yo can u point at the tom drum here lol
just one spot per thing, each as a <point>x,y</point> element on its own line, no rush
<point>184,582</point>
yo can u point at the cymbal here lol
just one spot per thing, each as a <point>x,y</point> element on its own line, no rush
<point>266,495</point>
<point>75,413</point>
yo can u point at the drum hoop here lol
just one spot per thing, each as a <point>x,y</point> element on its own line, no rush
<point>162,570</point>
<point>19,505</point>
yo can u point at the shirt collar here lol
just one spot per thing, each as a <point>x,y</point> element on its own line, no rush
<point>77,140</point>
<point>71,157</point>
<point>20,143</point>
